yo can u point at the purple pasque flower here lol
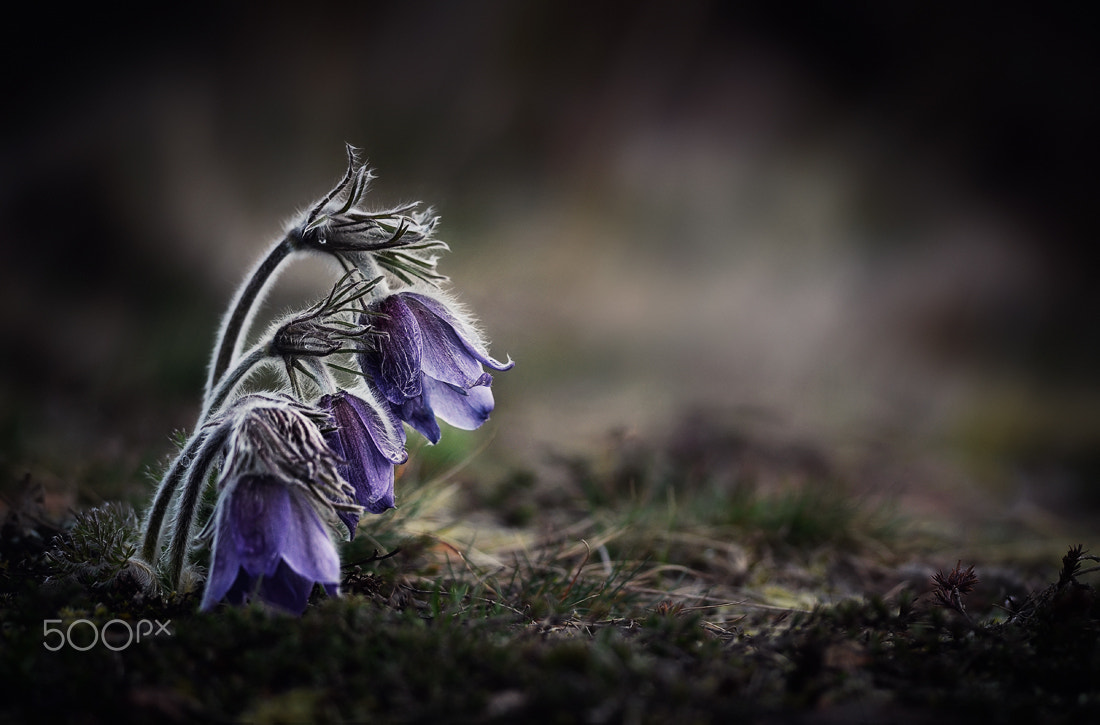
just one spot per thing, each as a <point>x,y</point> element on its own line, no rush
<point>279,482</point>
<point>426,362</point>
<point>269,544</point>
<point>368,445</point>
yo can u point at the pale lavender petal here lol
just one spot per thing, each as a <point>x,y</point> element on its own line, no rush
<point>309,550</point>
<point>462,409</point>
<point>225,565</point>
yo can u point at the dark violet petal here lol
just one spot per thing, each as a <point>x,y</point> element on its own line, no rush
<point>357,425</point>
<point>462,409</point>
<point>474,347</point>
<point>242,590</point>
<point>417,413</point>
<point>370,420</point>
<point>287,589</point>
<point>371,475</point>
<point>377,495</point>
<point>393,359</point>
<point>357,428</point>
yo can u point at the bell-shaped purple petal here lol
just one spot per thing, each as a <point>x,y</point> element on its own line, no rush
<point>269,543</point>
<point>368,451</point>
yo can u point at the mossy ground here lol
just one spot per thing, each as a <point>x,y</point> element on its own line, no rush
<point>653,583</point>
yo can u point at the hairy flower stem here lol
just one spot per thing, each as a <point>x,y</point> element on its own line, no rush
<point>229,337</point>
<point>188,503</point>
<point>228,383</point>
<point>174,476</point>
<point>168,485</point>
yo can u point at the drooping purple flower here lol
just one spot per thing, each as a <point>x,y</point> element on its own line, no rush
<point>278,480</point>
<point>427,362</point>
<point>270,544</point>
<point>368,449</point>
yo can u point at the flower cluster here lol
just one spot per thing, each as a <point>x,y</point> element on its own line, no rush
<point>297,468</point>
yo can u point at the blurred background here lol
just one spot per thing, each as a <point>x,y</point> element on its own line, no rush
<point>865,229</point>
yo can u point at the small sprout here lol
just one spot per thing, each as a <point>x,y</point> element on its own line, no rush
<point>669,608</point>
<point>1071,565</point>
<point>950,588</point>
